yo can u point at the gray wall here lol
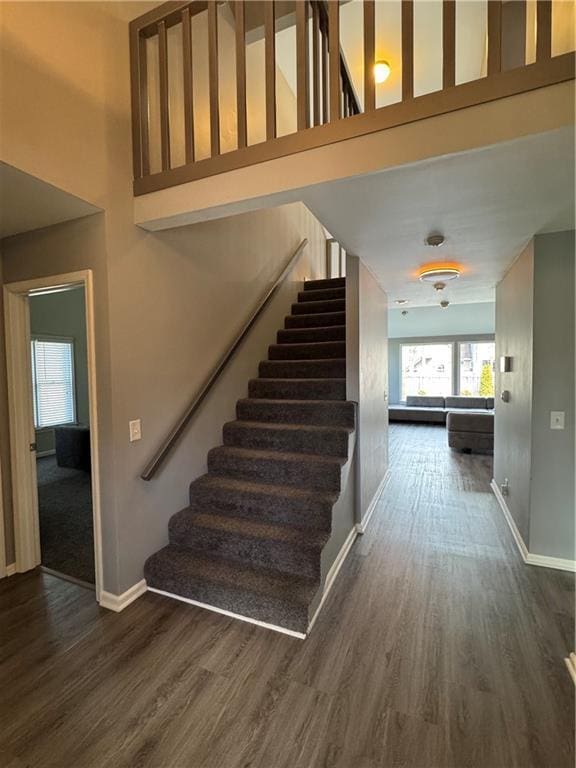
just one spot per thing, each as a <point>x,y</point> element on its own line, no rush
<point>513,420</point>
<point>552,499</point>
<point>458,319</point>
<point>63,314</point>
<point>394,361</point>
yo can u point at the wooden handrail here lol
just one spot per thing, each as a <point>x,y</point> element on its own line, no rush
<point>171,439</point>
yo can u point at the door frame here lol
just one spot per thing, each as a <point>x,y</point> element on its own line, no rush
<point>22,458</point>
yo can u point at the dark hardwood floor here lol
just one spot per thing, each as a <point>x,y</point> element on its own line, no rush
<point>437,648</point>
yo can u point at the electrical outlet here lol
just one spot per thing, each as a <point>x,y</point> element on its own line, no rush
<point>557,419</point>
<point>135,430</point>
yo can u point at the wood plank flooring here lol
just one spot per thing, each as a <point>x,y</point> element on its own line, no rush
<point>438,648</point>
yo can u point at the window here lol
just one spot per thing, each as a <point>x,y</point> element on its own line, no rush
<point>426,369</point>
<point>53,382</point>
<point>477,368</point>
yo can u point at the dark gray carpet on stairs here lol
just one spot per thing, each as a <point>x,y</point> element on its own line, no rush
<point>65,511</point>
<point>251,539</point>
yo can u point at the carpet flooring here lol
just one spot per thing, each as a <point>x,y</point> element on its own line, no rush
<point>65,507</point>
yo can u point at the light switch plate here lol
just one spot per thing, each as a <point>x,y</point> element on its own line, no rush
<point>135,430</point>
<point>557,419</point>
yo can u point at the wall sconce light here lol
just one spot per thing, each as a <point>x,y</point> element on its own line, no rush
<point>381,71</point>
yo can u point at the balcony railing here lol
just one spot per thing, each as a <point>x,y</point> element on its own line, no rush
<point>219,86</point>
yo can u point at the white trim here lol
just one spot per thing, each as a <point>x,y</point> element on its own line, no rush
<point>529,558</point>
<point>361,526</point>
<point>44,454</point>
<point>239,616</point>
<point>571,664</point>
<point>3,568</point>
<point>117,603</point>
<point>23,461</point>
<point>333,572</point>
<point>11,569</point>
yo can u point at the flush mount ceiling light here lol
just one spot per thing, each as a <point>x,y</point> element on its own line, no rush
<point>438,274</point>
<point>435,240</point>
<point>381,71</point>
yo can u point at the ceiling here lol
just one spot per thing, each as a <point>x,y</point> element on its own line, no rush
<point>488,204</point>
<point>28,203</point>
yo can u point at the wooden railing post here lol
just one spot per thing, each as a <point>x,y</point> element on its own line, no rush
<point>213,76</point>
<point>543,30</point>
<point>315,64</point>
<point>334,52</point>
<point>164,103</point>
<point>188,84</point>
<point>448,43</point>
<point>369,56</point>
<point>494,64</point>
<point>407,49</point>
<point>241,73</point>
<point>270,65</point>
<point>139,98</point>
<point>303,100</point>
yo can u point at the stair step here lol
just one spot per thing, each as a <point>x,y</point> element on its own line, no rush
<point>257,593</point>
<point>330,282</point>
<point>257,501</point>
<point>327,368</point>
<point>294,438</point>
<point>313,307</point>
<point>303,335</point>
<point>319,319</point>
<point>336,413</point>
<point>260,545</point>
<point>298,389</point>
<point>297,469</point>
<point>309,351</point>
<point>322,294</point>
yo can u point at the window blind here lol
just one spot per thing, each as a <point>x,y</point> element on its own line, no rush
<point>53,382</point>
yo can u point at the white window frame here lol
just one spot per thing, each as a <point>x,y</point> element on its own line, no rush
<point>64,340</point>
<point>417,343</point>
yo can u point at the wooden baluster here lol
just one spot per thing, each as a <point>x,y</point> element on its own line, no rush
<point>494,64</point>
<point>324,41</point>
<point>164,102</point>
<point>139,97</point>
<point>302,95</point>
<point>369,56</point>
<point>407,49</point>
<point>448,43</point>
<point>188,81</point>
<point>241,73</point>
<point>270,54</point>
<point>543,30</point>
<point>315,64</point>
<point>213,76</point>
<point>334,50</point>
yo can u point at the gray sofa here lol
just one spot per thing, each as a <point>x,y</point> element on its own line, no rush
<point>469,420</point>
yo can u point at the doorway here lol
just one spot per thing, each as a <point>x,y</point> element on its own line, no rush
<point>53,426</point>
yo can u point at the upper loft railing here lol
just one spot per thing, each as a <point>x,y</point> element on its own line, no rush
<point>223,85</point>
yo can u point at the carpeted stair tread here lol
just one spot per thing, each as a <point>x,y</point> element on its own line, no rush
<point>328,282</point>
<point>298,389</point>
<point>320,333</point>
<point>258,593</point>
<point>307,351</point>
<point>255,500</point>
<point>322,294</point>
<point>317,320</point>
<point>325,368</point>
<point>321,412</point>
<point>312,307</point>
<point>321,440</point>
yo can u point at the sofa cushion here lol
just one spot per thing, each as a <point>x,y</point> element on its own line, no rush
<point>470,421</point>
<point>425,401</point>
<point>406,413</point>
<point>465,402</point>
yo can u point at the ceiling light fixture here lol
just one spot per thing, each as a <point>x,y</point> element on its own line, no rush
<point>401,301</point>
<point>438,273</point>
<point>444,304</point>
<point>381,71</point>
<point>434,240</point>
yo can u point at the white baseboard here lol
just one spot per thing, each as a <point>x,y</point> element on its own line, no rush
<point>571,664</point>
<point>117,603</point>
<point>238,616</point>
<point>11,569</point>
<point>361,527</point>
<point>43,454</point>
<point>333,572</point>
<point>543,561</point>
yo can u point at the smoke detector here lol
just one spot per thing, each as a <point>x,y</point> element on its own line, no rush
<point>435,240</point>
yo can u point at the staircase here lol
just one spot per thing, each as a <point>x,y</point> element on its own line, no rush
<point>251,540</point>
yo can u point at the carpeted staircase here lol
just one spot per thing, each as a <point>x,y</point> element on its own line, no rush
<point>251,540</point>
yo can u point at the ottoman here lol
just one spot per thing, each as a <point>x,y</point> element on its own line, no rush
<point>471,431</point>
<point>73,447</point>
